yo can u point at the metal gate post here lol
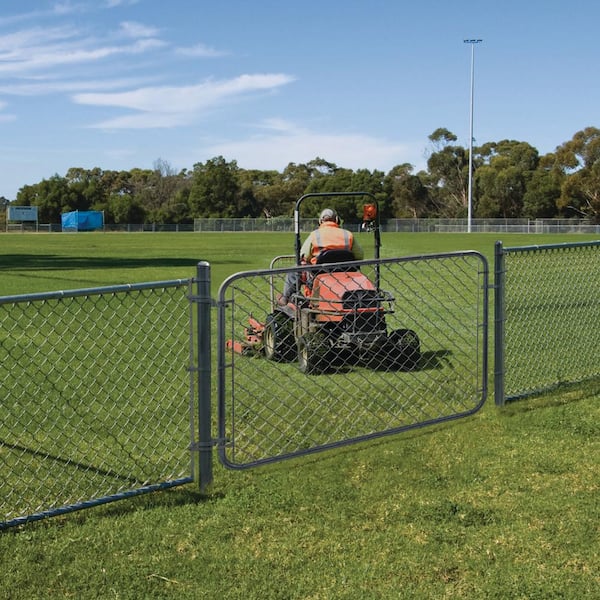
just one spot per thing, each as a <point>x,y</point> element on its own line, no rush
<point>499,318</point>
<point>205,442</point>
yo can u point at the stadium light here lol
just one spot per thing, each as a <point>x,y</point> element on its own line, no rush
<point>470,190</point>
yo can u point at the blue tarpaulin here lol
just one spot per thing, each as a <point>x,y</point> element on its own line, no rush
<point>82,220</point>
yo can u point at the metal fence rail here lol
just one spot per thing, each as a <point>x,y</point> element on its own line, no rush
<point>95,396</point>
<point>547,317</point>
<point>574,225</point>
<point>270,409</point>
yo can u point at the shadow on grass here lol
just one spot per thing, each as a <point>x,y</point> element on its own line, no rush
<point>50,262</point>
<point>433,359</point>
<point>150,501</point>
<point>70,463</point>
<point>556,395</point>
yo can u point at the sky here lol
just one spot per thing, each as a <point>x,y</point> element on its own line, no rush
<point>123,84</point>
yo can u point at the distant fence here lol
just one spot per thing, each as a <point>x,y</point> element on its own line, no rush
<point>411,225</point>
<point>547,317</point>
<point>285,224</point>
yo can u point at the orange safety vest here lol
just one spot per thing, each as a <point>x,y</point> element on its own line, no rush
<point>329,236</point>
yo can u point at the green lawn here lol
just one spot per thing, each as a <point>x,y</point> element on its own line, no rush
<point>503,504</point>
<point>48,262</point>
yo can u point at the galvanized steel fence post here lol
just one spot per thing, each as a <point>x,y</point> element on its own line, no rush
<point>205,442</point>
<point>499,318</point>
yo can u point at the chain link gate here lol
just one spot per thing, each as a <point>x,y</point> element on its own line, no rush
<point>96,397</point>
<point>403,346</point>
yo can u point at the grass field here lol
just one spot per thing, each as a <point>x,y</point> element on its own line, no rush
<point>503,504</point>
<point>48,262</point>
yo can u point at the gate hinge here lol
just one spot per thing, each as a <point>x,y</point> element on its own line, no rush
<point>197,446</point>
<point>201,299</point>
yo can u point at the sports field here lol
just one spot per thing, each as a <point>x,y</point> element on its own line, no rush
<point>503,504</point>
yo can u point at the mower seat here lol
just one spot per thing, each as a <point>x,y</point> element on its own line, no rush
<point>328,257</point>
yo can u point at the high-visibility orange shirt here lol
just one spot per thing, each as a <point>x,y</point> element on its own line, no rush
<point>330,236</point>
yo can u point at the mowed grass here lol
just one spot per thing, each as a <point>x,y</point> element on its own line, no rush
<point>47,262</point>
<point>503,504</point>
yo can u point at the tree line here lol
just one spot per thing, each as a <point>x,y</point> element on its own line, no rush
<point>509,180</point>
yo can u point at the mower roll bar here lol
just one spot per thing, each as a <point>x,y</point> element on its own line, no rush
<point>372,199</point>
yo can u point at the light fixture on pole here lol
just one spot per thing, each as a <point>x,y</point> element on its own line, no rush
<point>470,190</point>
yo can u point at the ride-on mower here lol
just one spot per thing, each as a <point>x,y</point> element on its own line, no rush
<point>337,315</point>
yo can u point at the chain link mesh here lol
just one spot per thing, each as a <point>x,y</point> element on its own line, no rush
<point>552,316</point>
<point>95,395</point>
<point>405,353</point>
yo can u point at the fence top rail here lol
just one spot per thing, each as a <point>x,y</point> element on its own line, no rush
<point>371,261</point>
<point>113,289</point>
<point>542,247</point>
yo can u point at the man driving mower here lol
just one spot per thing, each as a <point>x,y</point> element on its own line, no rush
<point>328,236</point>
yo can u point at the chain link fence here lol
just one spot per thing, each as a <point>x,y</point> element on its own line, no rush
<point>574,225</point>
<point>394,345</point>
<point>286,224</point>
<point>95,396</point>
<point>547,317</point>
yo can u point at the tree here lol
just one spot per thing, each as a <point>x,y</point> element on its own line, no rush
<point>215,189</point>
<point>409,196</point>
<point>579,158</point>
<point>261,192</point>
<point>126,209</point>
<point>447,179</point>
<point>543,190</point>
<point>502,180</point>
<point>163,187</point>
<point>509,180</point>
<point>52,197</point>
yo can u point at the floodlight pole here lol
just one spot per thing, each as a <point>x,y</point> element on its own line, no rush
<point>470,190</point>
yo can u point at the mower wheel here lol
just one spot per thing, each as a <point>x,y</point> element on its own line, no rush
<point>278,338</point>
<point>312,353</point>
<point>404,350</point>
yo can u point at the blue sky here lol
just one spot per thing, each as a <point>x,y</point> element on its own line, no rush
<point>119,84</point>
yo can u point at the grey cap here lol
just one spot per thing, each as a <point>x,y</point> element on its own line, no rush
<point>327,214</point>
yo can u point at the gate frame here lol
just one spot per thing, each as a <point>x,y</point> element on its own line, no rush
<point>222,304</point>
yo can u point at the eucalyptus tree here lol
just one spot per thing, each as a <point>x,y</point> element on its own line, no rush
<point>408,194</point>
<point>579,159</point>
<point>540,200</point>
<point>215,188</point>
<point>502,179</point>
<point>448,174</point>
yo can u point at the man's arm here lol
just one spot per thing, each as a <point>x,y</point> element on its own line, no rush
<point>306,250</point>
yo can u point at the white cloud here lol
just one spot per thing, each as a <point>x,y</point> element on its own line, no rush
<point>42,86</point>
<point>66,8</point>
<point>28,41</point>
<point>168,106</point>
<point>117,3</point>
<point>5,117</point>
<point>200,51</point>
<point>137,30</point>
<point>40,49</point>
<point>285,142</point>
